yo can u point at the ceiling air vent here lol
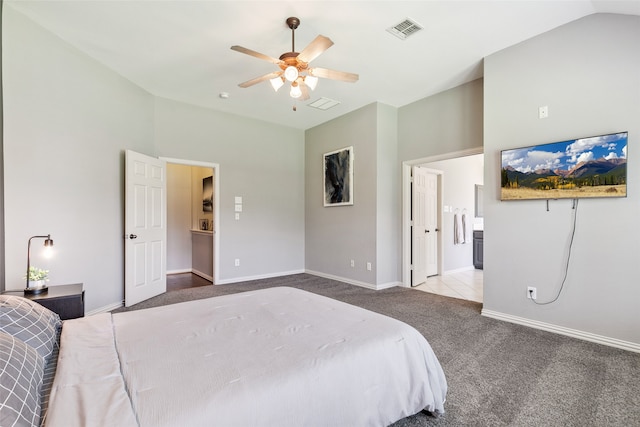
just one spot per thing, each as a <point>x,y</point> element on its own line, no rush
<point>323,103</point>
<point>405,29</point>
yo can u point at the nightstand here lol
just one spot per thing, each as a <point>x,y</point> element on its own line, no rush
<point>66,300</point>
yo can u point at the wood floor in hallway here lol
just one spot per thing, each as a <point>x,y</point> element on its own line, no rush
<point>175,282</point>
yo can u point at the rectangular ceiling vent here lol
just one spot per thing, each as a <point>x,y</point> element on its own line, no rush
<point>323,103</point>
<point>404,29</point>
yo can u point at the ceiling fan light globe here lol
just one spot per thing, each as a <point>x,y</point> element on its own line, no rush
<point>295,91</point>
<point>276,83</point>
<point>311,82</point>
<point>291,73</point>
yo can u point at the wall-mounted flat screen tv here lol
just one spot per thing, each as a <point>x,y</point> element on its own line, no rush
<point>574,169</point>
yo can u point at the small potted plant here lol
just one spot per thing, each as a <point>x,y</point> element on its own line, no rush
<point>38,277</point>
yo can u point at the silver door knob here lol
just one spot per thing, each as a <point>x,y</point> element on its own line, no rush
<point>132,236</point>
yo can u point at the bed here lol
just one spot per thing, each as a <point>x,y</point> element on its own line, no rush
<point>272,357</point>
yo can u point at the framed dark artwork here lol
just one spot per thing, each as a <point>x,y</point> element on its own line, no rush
<point>338,177</point>
<point>207,194</point>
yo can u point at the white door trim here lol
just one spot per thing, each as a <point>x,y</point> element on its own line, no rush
<point>406,207</point>
<point>216,208</point>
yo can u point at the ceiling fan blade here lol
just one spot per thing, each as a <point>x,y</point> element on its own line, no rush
<point>315,48</point>
<point>256,54</point>
<point>260,79</point>
<point>305,92</point>
<point>333,74</point>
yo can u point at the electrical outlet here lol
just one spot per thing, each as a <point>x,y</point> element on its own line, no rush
<point>353,263</point>
<point>237,262</point>
<point>531,292</point>
<point>369,266</point>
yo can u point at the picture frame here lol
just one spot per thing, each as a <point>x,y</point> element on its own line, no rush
<point>204,224</point>
<point>207,194</point>
<point>338,177</point>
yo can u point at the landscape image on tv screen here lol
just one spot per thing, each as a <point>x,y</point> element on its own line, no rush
<point>578,168</point>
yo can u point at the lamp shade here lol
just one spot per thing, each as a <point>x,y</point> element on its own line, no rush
<point>311,82</point>
<point>295,91</point>
<point>276,83</point>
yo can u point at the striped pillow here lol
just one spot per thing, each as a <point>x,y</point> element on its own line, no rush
<point>35,325</point>
<point>21,370</point>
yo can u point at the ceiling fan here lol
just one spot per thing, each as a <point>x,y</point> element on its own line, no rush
<point>294,66</point>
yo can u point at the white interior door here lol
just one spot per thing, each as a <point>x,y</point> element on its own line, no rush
<point>431,223</point>
<point>145,227</point>
<point>418,226</point>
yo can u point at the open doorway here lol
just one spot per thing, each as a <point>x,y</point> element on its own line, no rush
<point>459,174</point>
<point>193,222</point>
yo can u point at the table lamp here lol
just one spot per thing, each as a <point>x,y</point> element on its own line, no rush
<point>48,243</point>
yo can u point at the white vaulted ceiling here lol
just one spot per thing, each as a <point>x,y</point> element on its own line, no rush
<point>180,49</point>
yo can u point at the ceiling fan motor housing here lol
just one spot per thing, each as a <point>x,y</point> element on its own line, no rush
<point>293,22</point>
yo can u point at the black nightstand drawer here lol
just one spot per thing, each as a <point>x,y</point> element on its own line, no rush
<point>66,300</point>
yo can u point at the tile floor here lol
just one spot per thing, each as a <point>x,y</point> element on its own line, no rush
<point>465,284</point>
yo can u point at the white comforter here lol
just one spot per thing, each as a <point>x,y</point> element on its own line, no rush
<point>274,357</point>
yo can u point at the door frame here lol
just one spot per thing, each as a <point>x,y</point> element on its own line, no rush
<point>406,207</point>
<point>216,207</point>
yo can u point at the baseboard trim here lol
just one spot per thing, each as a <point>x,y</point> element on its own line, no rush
<point>458,270</point>
<point>201,274</point>
<point>389,285</point>
<point>105,309</point>
<point>574,333</point>
<point>354,282</point>
<point>186,270</point>
<point>258,277</point>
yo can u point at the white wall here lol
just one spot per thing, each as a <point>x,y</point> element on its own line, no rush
<point>588,74</point>
<point>67,122</point>
<point>460,175</point>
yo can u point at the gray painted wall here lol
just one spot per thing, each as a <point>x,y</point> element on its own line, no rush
<point>67,121</point>
<point>588,74</point>
<point>368,231</point>
<point>336,235</point>
<point>68,117</point>
<point>388,200</point>
<point>448,122</point>
<point>260,162</point>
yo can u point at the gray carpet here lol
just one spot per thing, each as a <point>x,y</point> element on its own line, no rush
<point>499,374</point>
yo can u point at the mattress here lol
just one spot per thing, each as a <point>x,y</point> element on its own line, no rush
<point>273,357</point>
